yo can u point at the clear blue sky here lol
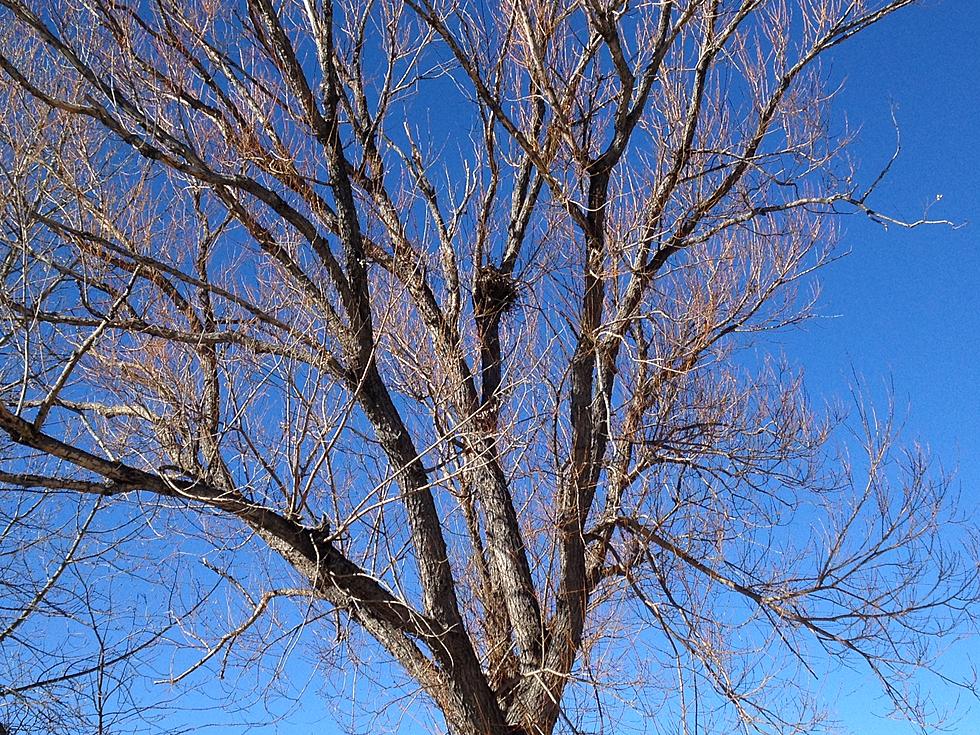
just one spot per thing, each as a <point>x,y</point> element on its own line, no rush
<point>904,306</point>
<point>907,304</point>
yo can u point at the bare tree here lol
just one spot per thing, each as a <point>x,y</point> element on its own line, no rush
<point>422,326</point>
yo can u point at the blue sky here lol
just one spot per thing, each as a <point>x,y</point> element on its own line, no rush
<point>906,304</point>
<point>904,307</point>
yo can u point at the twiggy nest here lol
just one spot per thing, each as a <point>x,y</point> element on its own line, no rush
<point>495,292</point>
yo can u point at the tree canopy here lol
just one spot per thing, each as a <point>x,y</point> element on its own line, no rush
<point>430,336</point>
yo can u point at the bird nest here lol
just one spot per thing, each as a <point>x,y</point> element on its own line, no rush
<point>495,292</point>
